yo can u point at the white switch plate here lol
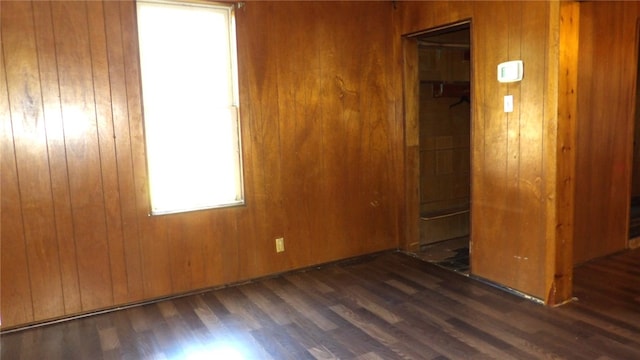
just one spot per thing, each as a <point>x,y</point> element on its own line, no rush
<point>508,103</point>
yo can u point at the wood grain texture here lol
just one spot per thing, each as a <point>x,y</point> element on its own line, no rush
<point>107,150</point>
<point>514,155</point>
<point>78,103</point>
<point>57,155</point>
<point>16,297</point>
<point>385,306</point>
<point>262,154</point>
<point>325,162</point>
<point>606,105</point>
<point>31,161</point>
<point>411,91</point>
<point>321,150</point>
<point>126,193</point>
<point>567,124</point>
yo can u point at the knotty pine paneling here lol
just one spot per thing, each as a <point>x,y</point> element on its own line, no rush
<point>514,157</point>
<point>321,151</point>
<point>606,105</point>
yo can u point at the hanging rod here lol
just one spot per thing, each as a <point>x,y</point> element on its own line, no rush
<point>443,45</point>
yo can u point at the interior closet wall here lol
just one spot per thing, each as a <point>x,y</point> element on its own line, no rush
<point>606,102</point>
<point>444,143</point>
<point>522,166</point>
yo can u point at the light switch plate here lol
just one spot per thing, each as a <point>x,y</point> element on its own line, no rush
<point>508,103</point>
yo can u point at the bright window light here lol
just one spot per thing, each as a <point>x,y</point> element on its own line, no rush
<point>189,93</point>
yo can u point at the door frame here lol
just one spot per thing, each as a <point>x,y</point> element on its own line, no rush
<point>411,95</point>
<point>633,243</point>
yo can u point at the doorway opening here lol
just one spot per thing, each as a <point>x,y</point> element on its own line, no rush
<point>444,123</point>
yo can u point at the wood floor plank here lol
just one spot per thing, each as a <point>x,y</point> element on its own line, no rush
<point>301,305</point>
<point>383,306</point>
<point>318,343</point>
<point>621,334</point>
<point>508,332</point>
<point>266,301</point>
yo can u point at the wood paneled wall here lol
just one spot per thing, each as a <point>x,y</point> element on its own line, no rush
<point>322,152</point>
<point>635,176</point>
<point>517,164</point>
<point>606,104</point>
<point>324,148</point>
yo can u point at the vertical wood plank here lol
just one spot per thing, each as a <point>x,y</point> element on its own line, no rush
<point>491,208</point>
<point>539,108</point>
<point>300,125</point>
<point>107,151</point>
<point>376,128</point>
<point>340,107</point>
<point>517,155</point>
<point>155,256</point>
<point>57,155</point>
<point>213,258</point>
<point>30,143</point>
<point>604,143</point>
<point>198,260</point>
<point>83,152</point>
<point>178,246</point>
<point>263,219</point>
<point>567,126</point>
<point>154,238</point>
<point>585,176</point>
<point>16,304</point>
<point>411,141</point>
<point>479,80</point>
<point>395,112</point>
<point>123,149</point>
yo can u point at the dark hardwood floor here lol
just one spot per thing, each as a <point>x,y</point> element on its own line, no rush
<point>387,306</point>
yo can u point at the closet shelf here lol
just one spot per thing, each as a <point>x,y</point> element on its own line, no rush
<point>453,89</point>
<point>444,213</point>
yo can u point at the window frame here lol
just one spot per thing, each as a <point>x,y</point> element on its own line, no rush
<point>234,108</point>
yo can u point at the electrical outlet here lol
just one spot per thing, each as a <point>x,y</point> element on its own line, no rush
<point>279,244</point>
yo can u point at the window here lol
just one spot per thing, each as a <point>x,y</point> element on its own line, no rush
<point>190,99</point>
